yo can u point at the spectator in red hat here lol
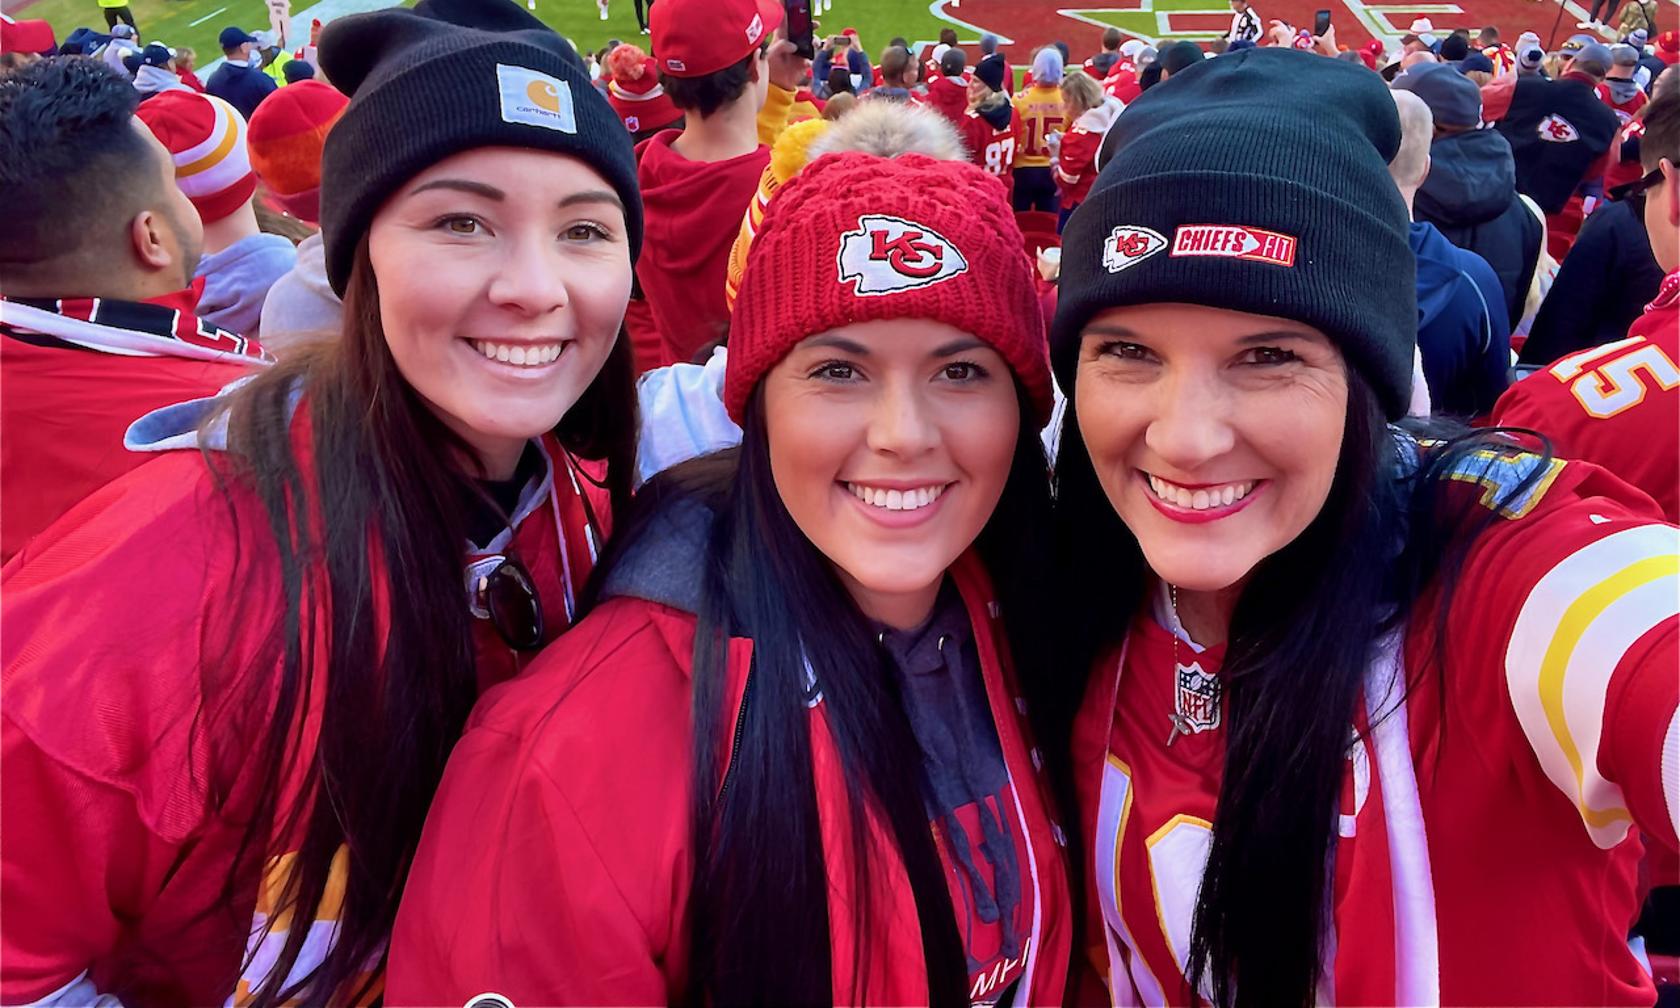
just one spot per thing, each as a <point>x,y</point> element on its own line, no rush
<point>722,64</point>
<point>97,327</point>
<point>634,92</point>
<point>205,137</point>
<point>286,137</point>
<point>1667,47</point>
<point>33,37</point>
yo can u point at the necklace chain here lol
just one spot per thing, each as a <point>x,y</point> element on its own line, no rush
<point>1208,697</point>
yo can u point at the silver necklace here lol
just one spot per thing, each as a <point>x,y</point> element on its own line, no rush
<point>1196,705</point>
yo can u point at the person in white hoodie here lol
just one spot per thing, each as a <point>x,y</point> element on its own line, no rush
<point>124,42</point>
<point>152,71</point>
<point>205,137</point>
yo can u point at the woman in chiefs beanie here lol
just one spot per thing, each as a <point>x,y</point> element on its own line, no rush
<point>785,759</point>
<point>224,781</point>
<point>1354,680</point>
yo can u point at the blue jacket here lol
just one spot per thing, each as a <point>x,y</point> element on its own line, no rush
<point>241,86</point>
<point>1464,333</point>
<point>1471,195</point>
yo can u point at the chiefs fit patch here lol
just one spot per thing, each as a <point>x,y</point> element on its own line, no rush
<point>1234,241</point>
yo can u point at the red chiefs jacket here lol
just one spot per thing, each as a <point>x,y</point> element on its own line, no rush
<point>555,866</point>
<point>1615,405</point>
<point>74,374</point>
<point>136,671</point>
<point>1076,161</point>
<point>1490,860</point>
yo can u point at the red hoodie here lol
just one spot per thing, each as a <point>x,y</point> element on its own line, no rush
<point>949,96</point>
<point>693,210</point>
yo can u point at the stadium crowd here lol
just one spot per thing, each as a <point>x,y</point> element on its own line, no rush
<point>761,519</point>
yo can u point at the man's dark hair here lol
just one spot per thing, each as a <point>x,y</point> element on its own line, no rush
<point>1662,132</point>
<point>839,80</point>
<point>72,164</point>
<point>1111,39</point>
<point>953,62</point>
<point>948,36</point>
<point>708,93</point>
<point>1488,35</point>
<point>1463,33</point>
<point>899,41</point>
<point>1067,54</point>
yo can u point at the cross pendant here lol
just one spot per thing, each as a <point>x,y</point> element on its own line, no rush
<point>1180,726</point>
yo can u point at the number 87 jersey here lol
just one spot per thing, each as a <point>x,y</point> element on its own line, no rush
<point>992,137</point>
<point>1616,405</point>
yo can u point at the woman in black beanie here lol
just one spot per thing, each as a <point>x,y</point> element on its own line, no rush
<point>1376,714</point>
<point>216,792</point>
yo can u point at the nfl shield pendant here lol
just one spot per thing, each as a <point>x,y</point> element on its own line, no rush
<point>1195,700</point>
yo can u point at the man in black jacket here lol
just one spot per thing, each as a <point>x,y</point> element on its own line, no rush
<point>1600,289</point>
<point>240,81</point>
<point>1470,193</point>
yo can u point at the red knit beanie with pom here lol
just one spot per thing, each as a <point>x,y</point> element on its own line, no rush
<point>860,238</point>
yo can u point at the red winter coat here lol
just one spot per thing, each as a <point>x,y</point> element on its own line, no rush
<point>949,97</point>
<point>1615,405</point>
<point>65,406</point>
<point>145,607</point>
<point>555,866</point>
<point>1492,860</point>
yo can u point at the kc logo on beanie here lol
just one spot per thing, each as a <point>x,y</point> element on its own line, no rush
<point>535,99</point>
<point>890,254</point>
<point>1127,246</point>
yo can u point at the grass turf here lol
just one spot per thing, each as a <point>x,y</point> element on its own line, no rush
<point>171,21</point>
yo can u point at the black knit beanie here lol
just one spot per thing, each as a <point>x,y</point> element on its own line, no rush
<point>1256,181</point>
<point>422,89</point>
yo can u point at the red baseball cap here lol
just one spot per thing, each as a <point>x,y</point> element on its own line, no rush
<point>693,38</point>
<point>1668,47</point>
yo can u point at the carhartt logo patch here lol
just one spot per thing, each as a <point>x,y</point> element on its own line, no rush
<point>1129,245</point>
<point>1556,129</point>
<point>1230,241</point>
<point>890,254</point>
<point>755,29</point>
<point>533,98</point>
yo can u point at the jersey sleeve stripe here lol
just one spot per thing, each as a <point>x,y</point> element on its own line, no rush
<point>1113,811</point>
<point>1569,638</point>
<point>1671,771</point>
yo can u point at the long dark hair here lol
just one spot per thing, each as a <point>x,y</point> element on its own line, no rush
<point>1300,640</point>
<point>381,497</point>
<point>759,909</point>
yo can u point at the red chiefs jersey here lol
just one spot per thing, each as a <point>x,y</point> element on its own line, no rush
<point>1616,405</point>
<point>135,623</point>
<point>1490,861</point>
<point>1076,165</point>
<point>1042,114</point>
<point>991,148</point>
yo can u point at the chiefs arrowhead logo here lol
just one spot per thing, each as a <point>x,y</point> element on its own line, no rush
<point>1129,245</point>
<point>889,254</point>
<point>1557,129</point>
<point>633,123</point>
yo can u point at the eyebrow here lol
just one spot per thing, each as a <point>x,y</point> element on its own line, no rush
<point>490,192</point>
<point>1252,339</point>
<point>461,185</point>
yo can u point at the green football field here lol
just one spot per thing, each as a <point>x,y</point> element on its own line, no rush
<point>195,23</point>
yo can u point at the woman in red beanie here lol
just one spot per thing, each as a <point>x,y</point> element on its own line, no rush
<point>786,758</point>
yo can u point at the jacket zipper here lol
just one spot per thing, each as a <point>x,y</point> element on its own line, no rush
<point>740,729</point>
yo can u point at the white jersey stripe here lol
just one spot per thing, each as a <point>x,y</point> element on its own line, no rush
<point>1572,632</point>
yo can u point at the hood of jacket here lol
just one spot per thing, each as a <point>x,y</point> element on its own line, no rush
<point>1099,119</point>
<point>1438,274</point>
<point>997,111</point>
<point>1621,91</point>
<point>1472,177</point>
<point>150,80</point>
<point>693,208</point>
<point>949,95</point>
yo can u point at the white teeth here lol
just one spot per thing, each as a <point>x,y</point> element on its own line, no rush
<point>896,500</point>
<point>520,354</point>
<point>1199,500</point>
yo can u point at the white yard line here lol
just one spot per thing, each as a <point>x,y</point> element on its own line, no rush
<point>195,24</point>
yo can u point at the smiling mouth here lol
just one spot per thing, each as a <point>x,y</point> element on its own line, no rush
<point>1201,498</point>
<point>520,354</point>
<point>912,499</point>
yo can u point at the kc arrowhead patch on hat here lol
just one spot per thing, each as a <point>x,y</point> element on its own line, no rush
<point>890,254</point>
<point>1127,246</point>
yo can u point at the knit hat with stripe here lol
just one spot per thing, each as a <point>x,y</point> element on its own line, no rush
<point>206,140</point>
<point>288,131</point>
<point>858,238</point>
<point>1238,186</point>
